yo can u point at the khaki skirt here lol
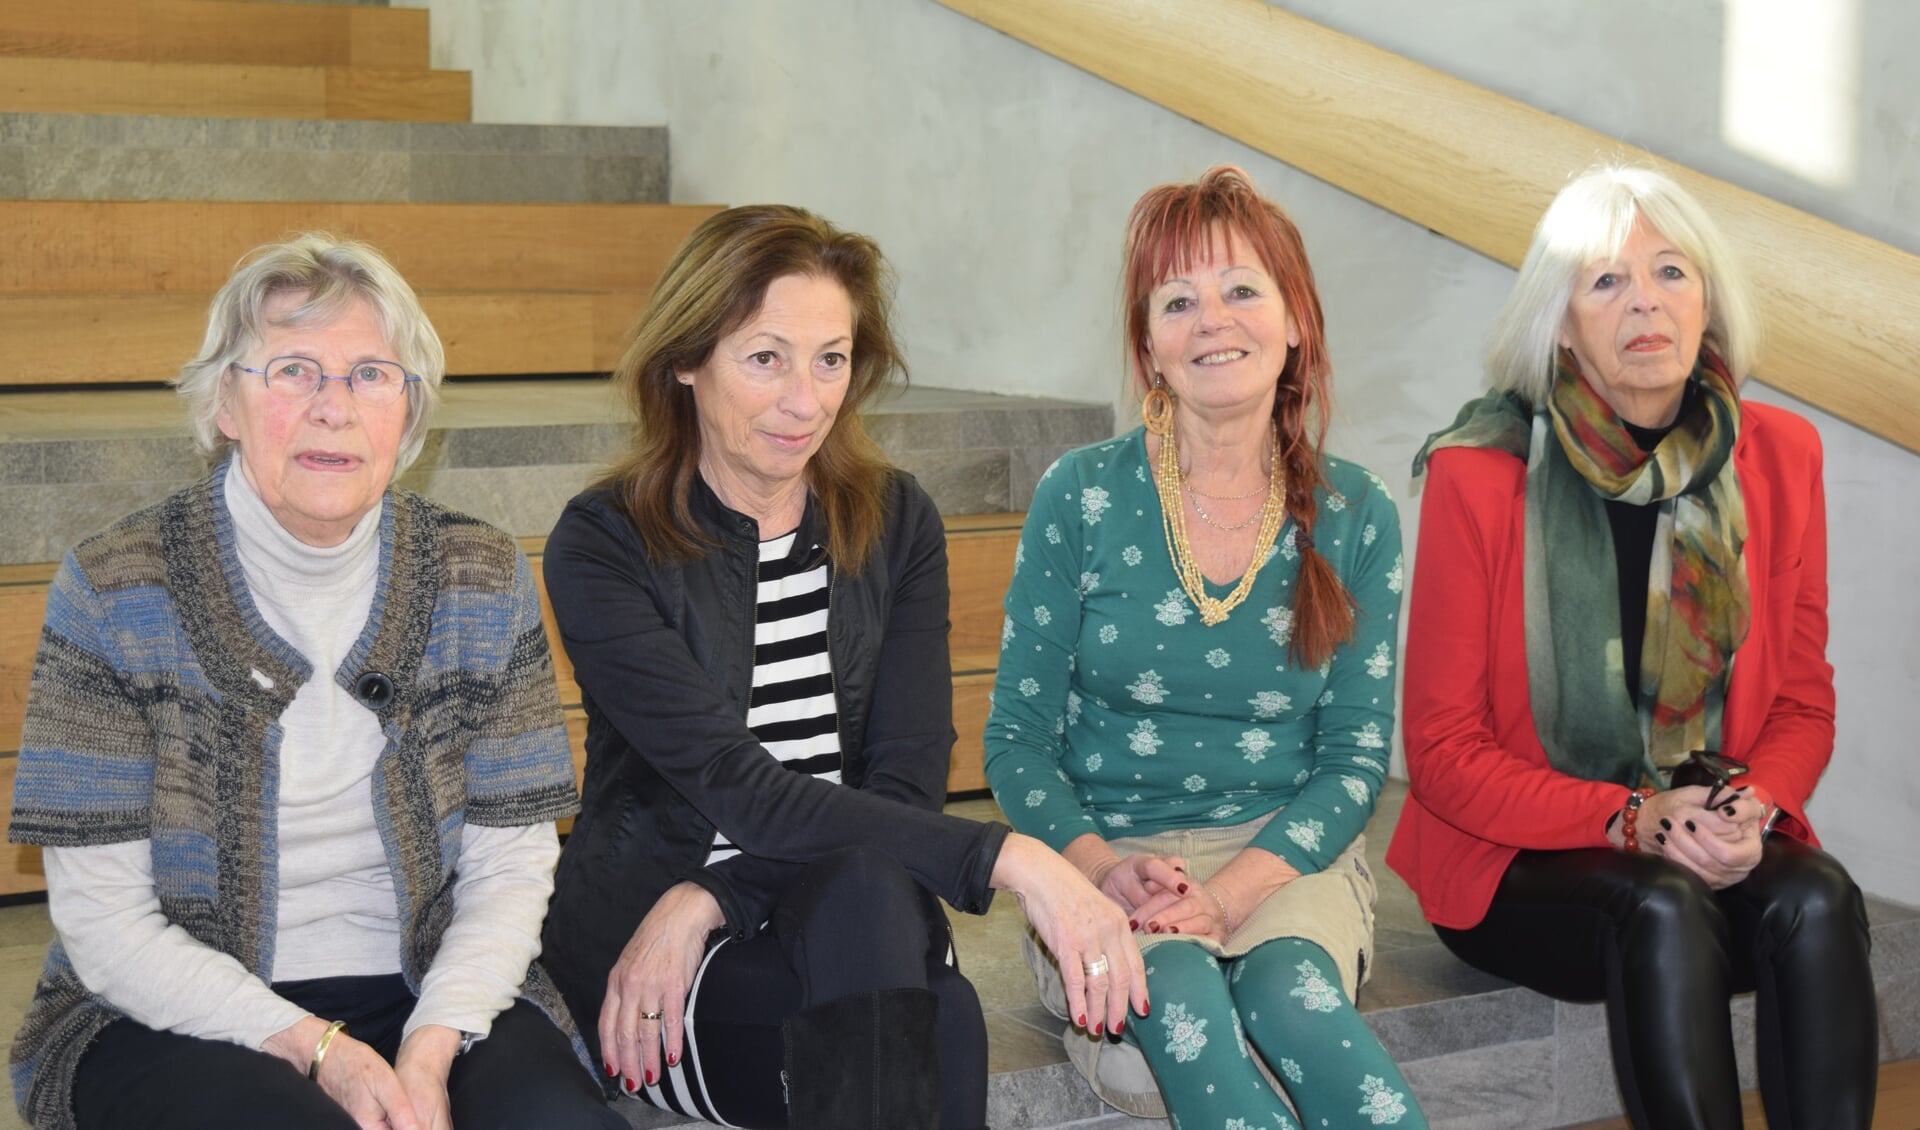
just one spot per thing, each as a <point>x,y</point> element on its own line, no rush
<point>1333,909</point>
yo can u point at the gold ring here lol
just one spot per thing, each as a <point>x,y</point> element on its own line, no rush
<point>654,1015</point>
<point>1097,967</point>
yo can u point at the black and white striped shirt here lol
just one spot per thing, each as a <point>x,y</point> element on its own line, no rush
<point>791,709</point>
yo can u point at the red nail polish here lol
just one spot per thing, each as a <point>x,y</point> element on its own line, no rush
<point>649,1077</point>
<point>1132,925</point>
<point>1119,1026</point>
<point>609,1067</point>
<point>673,1059</point>
<point>1083,1020</point>
<point>1096,1027</point>
<point>630,1085</point>
<point>1173,929</point>
<point>1183,888</point>
<point>1149,1007</point>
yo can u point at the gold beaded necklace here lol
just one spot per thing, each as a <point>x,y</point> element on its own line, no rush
<point>1169,480</point>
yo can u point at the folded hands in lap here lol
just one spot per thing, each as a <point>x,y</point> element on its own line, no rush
<point>1720,844</point>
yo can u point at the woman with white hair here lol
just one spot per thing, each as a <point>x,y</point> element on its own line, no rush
<point>294,751</point>
<point>1617,694</point>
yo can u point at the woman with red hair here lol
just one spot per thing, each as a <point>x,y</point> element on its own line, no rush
<point>1195,691</point>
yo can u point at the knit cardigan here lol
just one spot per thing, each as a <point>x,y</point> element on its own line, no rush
<point>154,715</point>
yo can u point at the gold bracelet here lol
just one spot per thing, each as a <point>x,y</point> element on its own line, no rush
<point>1226,920</point>
<point>320,1049</point>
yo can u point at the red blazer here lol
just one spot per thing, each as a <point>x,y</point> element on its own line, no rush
<point>1482,788</point>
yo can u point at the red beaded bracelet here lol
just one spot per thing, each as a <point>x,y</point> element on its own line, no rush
<point>1630,816</point>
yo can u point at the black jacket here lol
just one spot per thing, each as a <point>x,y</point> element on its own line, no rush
<point>664,658</point>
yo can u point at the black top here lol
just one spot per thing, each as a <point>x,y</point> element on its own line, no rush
<point>1633,528</point>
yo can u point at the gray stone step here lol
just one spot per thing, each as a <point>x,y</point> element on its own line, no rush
<point>509,451</point>
<point>115,157</point>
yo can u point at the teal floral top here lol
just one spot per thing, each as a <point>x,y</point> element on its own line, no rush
<point>1117,712</point>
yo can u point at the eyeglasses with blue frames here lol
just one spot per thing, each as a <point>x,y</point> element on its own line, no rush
<point>298,379</point>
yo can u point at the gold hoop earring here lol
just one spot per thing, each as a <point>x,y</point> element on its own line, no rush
<point>1156,409</point>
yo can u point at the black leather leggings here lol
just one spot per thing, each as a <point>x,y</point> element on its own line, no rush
<point>1665,952</point>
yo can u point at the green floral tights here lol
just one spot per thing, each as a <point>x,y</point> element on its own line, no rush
<point>1285,997</point>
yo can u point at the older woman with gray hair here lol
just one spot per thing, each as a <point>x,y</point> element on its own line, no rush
<point>294,751</point>
<point>1617,694</point>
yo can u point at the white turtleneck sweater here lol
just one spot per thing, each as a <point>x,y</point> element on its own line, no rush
<point>336,915</point>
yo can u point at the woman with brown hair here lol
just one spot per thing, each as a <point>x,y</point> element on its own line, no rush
<point>1197,673</point>
<point>755,603</point>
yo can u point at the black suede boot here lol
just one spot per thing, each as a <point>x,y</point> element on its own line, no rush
<point>866,1061</point>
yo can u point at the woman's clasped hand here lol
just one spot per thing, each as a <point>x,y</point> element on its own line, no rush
<point>1720,844</point>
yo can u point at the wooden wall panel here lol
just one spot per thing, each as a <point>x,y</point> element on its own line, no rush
<point>147,337</point>
<point>232,90</point>
<point>1842,310</point>
<point>60,246</point>
<point>216,31</point>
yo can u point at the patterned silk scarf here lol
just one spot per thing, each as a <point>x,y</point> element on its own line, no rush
<point>1579,456</point>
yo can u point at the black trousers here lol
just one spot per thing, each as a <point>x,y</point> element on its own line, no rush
<point>1665,951</point>
<point>523,1076</point>
<point>851,922</point>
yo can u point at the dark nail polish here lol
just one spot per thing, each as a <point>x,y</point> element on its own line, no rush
<point>1666,823</point>
<point>1660,838</point>
<point>1182,870</point>
<point>1132,925</point>
<point>1728,810</point>
<point>1690,827</point>
<point>1183,888</point>
<point>1173,929</point>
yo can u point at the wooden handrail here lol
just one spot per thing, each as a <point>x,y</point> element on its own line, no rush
<point>1842,311</point>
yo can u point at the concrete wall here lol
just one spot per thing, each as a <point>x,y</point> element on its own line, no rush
<point>998,180</point>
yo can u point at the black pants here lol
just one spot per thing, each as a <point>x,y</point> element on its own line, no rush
<point>1665,951</point>
<point>851,922</point>
<point>523,1076</point>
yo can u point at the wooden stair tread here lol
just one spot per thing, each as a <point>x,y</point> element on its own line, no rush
<point>233,90</point>
<point>146,336</point>
<point>65,246</point>
<point>217,31</point>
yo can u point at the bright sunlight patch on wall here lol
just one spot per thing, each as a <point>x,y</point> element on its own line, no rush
<point>1790,85</point>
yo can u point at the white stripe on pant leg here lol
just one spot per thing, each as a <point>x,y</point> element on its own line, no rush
<point>711,1111</point>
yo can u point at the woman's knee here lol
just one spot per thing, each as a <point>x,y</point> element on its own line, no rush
<point>1797,888</point>
<point>863,883</point>
<point>1669,906</point>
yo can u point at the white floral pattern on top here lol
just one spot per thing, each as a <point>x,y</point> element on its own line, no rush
<point>1041,615</point>
<point>1131,555</point>
<point>1356,788</point>
<point>1269,704</point>
<point>1145,739</point>
<point>1186,1034</point>
<point>1094,761</point>
<point>1370,737</point>
<point>1396,576</point>
<point>1148,688</point>
<point>1316,993</point>
<point>1089,582</point>
<point>1035,797</point>
<point>1383,1105</point>
<point>1291,1071</point>
<point>1029,686</point>
<point>1109,633</point>
<point>1306,833</point>
<point>1335,502</point>
<point>1368,534</point>
<point>1093,503</point>
<point>1053,533</point>
<point>1279,622</point>
<point>1006,631</point>
<point>1287,549</point>
<point>1380,662</point>
<point>1254,744</point>
<point>1218,658</point>
<point>1194,783</point>
<point>1174,610</point>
